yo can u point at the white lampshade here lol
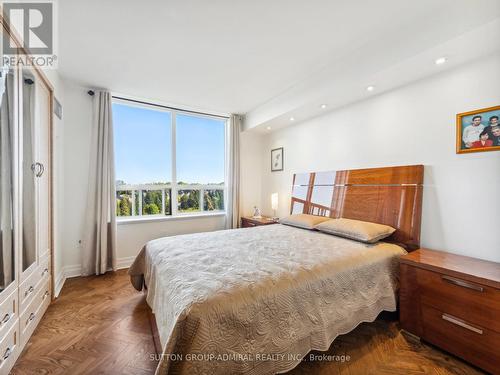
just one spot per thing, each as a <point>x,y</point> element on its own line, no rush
<point>274,201</point>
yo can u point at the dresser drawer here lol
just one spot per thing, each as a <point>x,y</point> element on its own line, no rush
<point>247,224</point>
<point>27,290</point>
<point>8,313</point>
<point>30,287</point>
<point>9,348</point>
<point>44,266</point>
<point>34,312</point>
<point>470,301</point>
<point>474,343</point>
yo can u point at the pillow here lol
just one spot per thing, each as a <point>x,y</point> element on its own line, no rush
<point>303,220</point>
<point>358,230</point>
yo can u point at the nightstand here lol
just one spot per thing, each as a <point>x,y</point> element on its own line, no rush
<point>453,302</point>
<point>248,221</point>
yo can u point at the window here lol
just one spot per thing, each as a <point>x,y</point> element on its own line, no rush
<point>167,162</point>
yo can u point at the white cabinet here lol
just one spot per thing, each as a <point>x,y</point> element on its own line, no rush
<point>34,116</point>
<point>25,207</point>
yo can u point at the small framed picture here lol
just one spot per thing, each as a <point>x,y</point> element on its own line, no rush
<point>277,159</point>
<point>478,130</point>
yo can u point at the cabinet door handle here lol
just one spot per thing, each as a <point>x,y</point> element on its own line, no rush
<point>461,323</point>
<point>6,318</point>
<point>39,168</point>
<point>7,353</point>
<point>46,270</point>
<point>462,283</point>
<point>46,294</point>
<point>42,169</point>
<point>30,290</point>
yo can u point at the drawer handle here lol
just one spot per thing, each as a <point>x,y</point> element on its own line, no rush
<point>32,316</point>
<point>46,270</point>
<point>46,294</point>
<point>462,283</point>
<point>7,354</point>
<point>30,290</point>
<point>461,323</point>
<point>6,318</point>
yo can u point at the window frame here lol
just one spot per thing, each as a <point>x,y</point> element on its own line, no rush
<point>174,186</point>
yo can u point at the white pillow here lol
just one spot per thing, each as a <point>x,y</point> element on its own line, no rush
<point>303,220</point>
<point>358,230</point>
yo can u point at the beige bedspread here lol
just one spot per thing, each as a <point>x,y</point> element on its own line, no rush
<point>256,300</point>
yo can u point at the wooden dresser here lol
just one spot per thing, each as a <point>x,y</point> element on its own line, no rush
<point>248,221</point>
<point>453,302</point>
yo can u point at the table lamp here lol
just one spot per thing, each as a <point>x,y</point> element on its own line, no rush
<point>274,204</point>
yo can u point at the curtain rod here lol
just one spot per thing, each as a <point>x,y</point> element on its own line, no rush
<point>92,93</point>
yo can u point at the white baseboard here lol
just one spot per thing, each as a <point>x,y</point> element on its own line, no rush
<point>125,262</point>
<point>75,270</point>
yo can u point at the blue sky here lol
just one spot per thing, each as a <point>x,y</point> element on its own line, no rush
<point>143,146</point>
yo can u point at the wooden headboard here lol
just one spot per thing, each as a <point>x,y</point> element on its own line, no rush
<point>389,195</point>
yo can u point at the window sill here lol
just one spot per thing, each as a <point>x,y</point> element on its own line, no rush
<point>145,219</point>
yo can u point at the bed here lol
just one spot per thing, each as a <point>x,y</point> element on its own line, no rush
<point>257,300</point>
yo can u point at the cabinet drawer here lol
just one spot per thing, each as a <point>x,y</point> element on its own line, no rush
<point>44,267</point>
<point>30,287</point>
<point>470,341</point>
<point>27,290</point>
<point>467,300</point>
<point>8,313</point>
<point>34,312</point>
<point>9,348</point>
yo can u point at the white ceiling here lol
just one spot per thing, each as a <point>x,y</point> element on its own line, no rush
<point>267,58</point>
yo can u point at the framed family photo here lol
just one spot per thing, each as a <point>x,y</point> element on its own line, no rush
<point>478,130</point>
<point>277,159</point>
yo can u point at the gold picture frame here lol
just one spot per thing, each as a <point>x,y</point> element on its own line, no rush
<point>469,139</point>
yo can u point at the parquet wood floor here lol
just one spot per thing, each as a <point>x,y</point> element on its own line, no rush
<point>99,325</point>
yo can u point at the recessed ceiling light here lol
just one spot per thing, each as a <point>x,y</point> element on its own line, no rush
<point>268,128</point>
<point>440,60</point>
<point>292,118</point>
<point>323,106</point>
<point>370,88</point>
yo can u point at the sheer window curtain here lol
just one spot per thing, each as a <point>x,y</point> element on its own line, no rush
<point>233,172</point>
<point>99,248</point>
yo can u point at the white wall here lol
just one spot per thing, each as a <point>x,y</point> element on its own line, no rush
<point>251,157</point>
<point>75,160</point>
<point>414,124</point>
